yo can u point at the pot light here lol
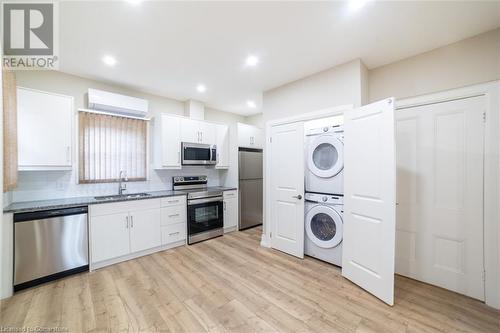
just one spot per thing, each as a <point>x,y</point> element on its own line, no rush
<point>109,60</point>
<point>201,88</point>
<point>251,104</point>
<point>252,60</point>
<point>357,4</point>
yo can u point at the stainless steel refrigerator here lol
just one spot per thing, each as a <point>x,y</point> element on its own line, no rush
<point>250,187</point>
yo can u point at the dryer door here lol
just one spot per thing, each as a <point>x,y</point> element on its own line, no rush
<point>324,226</point>
<point>325,156</point>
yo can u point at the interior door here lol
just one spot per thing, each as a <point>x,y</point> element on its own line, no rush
<point>439,234</point>
<point>287,188</point>
<point>370,198</point>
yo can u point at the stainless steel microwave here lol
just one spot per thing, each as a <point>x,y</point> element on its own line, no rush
<point>198,154</point>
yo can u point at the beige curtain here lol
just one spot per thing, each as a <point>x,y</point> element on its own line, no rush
<point>109,144</point>
<point>9,131</point>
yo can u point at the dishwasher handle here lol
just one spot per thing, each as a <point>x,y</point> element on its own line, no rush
<point>47,214</point>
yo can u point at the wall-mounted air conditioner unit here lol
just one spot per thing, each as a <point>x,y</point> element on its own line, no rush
<point>110,102</point>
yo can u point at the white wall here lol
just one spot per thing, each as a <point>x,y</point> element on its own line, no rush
<point>57,184</point>
<point>467,62</point>
<point>340,85</point>
<point>256,120</point>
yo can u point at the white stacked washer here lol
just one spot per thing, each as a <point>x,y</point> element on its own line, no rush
<point>324,185</point>
<point>324,227</point>
<point>325,160</point>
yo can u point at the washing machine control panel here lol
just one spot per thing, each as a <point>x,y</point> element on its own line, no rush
<point>330,199</point>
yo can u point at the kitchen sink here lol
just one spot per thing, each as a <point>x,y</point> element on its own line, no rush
<point>122,196</point>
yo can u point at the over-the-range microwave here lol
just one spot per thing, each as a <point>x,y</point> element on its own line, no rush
<point>198,154</point>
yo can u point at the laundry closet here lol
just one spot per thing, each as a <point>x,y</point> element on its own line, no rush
<point>342,213</point>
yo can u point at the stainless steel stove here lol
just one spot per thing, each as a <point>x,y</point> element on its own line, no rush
<point>204,208</point>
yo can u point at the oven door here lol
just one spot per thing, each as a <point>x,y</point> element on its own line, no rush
<point>198,154</point>
<point>204,216</point>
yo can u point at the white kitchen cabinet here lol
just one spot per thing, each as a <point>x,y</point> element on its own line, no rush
<point>250,136</point>
<point>144,229</point>
<point>167,142</point>
<point>230,210</point>
<point>197,131</point>
<point>45,130</point>
<point>222,142</point>
<point>109,236</point>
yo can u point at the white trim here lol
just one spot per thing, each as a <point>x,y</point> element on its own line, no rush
<point>113,114</point>
<point>323,113</point>
<point>491,91</point>
<point>7,257</point>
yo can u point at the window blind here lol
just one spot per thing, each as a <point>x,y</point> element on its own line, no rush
<point>109,144</point>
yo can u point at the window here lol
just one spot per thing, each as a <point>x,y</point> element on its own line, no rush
<point>109,144</point>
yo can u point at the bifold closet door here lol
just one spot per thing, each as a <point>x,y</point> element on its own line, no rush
<point>370,198</point>
<point>439,237</point>
<point>286,157</point>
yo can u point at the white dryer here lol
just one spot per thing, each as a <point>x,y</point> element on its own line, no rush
<point>324,227</point>
<point>325,160</point>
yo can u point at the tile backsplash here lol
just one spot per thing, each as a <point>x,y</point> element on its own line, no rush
<point>43,185</point>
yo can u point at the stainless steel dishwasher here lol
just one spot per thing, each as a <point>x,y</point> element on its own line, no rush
<point>49,244</point>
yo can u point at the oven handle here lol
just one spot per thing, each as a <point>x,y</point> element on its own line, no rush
<point>205,200</point>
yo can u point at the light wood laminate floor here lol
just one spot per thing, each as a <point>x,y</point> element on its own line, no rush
<point>232,284</point>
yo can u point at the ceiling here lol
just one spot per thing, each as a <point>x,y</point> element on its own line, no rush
<point>168,48</point>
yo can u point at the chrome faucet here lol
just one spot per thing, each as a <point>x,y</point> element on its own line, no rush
<point>121,186</point>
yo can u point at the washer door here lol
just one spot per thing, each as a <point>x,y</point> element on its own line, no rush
<point>326,156</point>
<point>324,226</point>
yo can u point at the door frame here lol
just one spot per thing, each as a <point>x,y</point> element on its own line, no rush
<point>491,187</point>
<point>323,113</point>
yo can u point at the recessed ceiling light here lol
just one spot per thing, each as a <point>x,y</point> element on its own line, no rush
<point>109,60</point>
<point>201,88</point>
<point>251,104</point>
<point>252,60</point>
<point>357,4</point>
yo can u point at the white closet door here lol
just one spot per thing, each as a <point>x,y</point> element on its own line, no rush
<point>439,237</point>
<point>369,198</point>
<point>287,188</point>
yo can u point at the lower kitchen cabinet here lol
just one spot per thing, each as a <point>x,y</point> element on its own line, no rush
<point>128,229</point>
<point>230,210</point>
<point>144,226</point>
<point>110,236</point>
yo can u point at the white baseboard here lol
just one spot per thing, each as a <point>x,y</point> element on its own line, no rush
<point>265,241</point>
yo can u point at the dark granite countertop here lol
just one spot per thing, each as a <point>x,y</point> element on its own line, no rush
<point>30,206</point>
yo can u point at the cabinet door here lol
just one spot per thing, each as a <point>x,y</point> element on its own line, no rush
<point>171,142</point>
<point>45,123</point>
<point>257,138</point>
<point>222,142</point>
<point>207,133</point>
<point>190,131</point>
<point>145,230</point>
<point>109,236</point>
<point>244,134</point>
<point>230,212</point>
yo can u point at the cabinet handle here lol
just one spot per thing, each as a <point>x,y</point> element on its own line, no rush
<point>201,136</point>
<point>173,215</point>
<point>224,205</point>
<point>126,224</point>
<point>131,221</point>
<point>173,201</point>
<point>173,233</point>
<point>68,154</point>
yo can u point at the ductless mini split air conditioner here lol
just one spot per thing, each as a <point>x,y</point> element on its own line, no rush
<point>100,100</point>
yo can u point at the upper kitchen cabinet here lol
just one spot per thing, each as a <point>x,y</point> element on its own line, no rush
<point>45,130</point>
<point>222,142</point>
<point>250,136</point>
<point>197,131</point>
<point>167,142</point>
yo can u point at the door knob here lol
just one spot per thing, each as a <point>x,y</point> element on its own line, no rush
<point>297,196</point>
